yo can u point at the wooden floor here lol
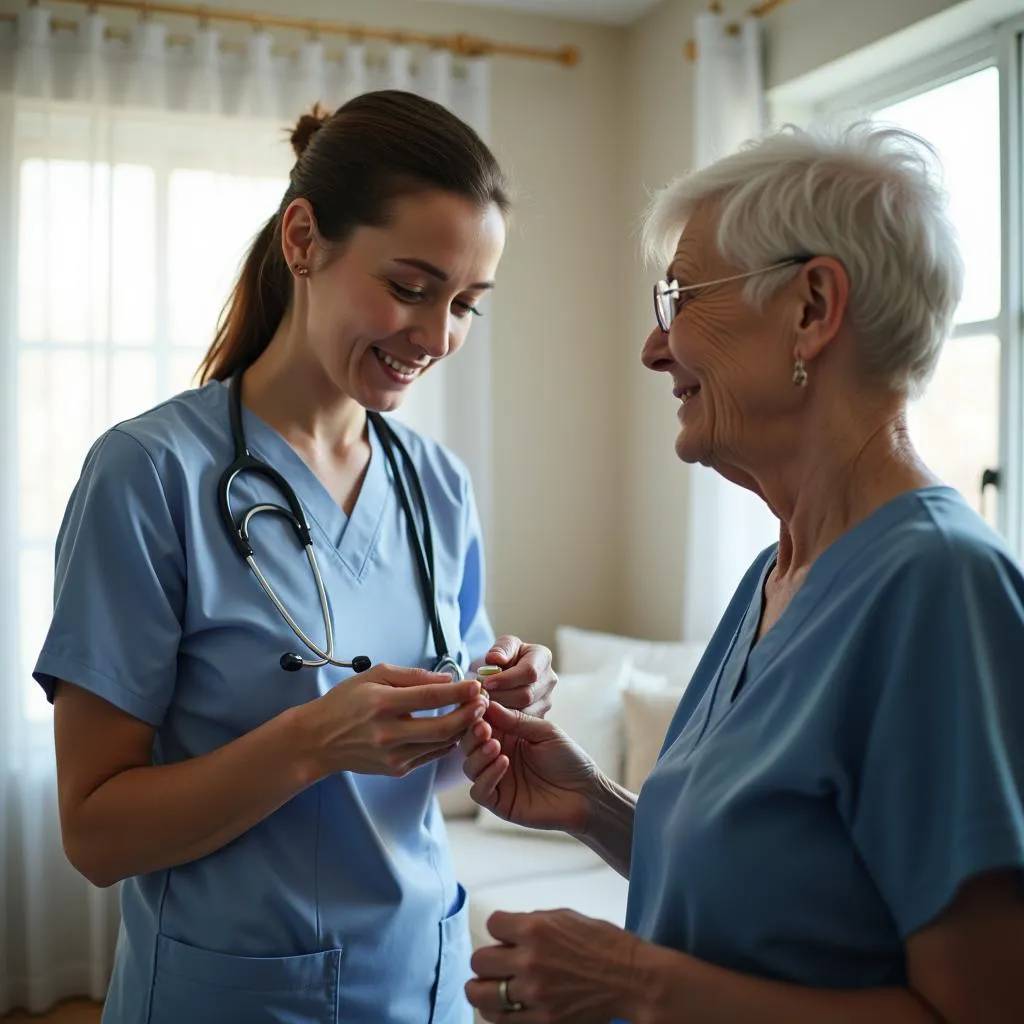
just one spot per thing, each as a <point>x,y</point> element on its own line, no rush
<point>74,1012</point>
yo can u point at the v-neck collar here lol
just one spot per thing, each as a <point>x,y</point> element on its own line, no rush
<point>735,665</point>
<point>828,567</point>
<point>747,658</point>
<point>352,538</point>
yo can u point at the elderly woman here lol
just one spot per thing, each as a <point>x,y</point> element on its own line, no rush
<point>834,831</point>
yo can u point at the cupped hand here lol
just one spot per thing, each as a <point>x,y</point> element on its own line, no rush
<point>526,770</point>
<point>366,724</point>
<point>561,967</point>
<point>527,678</point>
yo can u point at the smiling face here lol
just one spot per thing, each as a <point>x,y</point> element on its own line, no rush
<point>395,300</point>
<point>731,364</point>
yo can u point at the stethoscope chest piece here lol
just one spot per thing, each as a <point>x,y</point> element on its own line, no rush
<point>447,664</point>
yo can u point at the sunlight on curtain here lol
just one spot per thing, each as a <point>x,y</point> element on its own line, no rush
<point>137,173</point>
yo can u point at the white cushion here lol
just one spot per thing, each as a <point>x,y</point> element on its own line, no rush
<point>599,892</point>
<point>588,708</point>
<point>482,857</point>
<point>583,650</point>
<point>649,711</point>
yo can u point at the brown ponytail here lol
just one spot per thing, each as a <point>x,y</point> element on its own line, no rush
<point>351,166</point>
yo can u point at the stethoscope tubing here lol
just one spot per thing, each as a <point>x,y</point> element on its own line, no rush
<point>239,535</point>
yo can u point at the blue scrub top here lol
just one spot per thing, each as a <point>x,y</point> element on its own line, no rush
<point>872,760</point>
<point>342,906</point>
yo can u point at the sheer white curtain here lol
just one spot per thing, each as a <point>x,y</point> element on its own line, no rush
<point>727,524</point>
<point>134,168</point>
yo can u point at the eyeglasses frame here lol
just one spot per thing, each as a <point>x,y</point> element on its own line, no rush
<point>671,290</point>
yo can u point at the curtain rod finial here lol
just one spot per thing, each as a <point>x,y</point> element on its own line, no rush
<point>569,56</point>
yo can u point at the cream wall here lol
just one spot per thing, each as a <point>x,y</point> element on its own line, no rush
<point>659,88</point>
<point>804,35</point>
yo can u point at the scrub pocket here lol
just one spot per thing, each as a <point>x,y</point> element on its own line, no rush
<point>196,986</point>
<point>450,1003</point>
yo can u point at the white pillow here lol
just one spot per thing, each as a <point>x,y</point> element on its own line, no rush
<point>587,706</point>
<point>649,712</point>
<point>651,682</point>
<point>583,650</point>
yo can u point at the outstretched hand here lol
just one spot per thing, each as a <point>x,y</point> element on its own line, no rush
<point>526,770</point>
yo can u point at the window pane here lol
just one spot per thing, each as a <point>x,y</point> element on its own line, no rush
<point>955,426</point>
<point>212,221</point>
<point>133,255</point>
<point>59,402</point>
<point>63,248</point>
<point>33,246</point>
<point>185,369</point>
<point>961,120</point>
<point>132,385</point>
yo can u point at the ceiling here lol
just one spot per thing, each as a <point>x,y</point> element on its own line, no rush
<point>609,12</point>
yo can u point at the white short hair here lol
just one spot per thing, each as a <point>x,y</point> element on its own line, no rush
<point>864,193</point>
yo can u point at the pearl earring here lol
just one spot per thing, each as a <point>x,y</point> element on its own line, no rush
<point>799,373</point>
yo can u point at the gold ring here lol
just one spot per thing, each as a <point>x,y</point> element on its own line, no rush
<point>507,1004</point>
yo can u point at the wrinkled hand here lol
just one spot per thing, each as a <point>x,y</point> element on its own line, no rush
<point>366,724</point>
<point>528,771</point>
<point>562,967</point>
<point>527,678</point>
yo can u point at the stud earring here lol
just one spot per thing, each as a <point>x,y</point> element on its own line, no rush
<point>799,373</point>
<point>301,270</point>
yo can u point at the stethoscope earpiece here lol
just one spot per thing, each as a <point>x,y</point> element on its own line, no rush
<point>361,663</point>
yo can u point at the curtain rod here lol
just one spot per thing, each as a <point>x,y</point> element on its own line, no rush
<point>760,10</point>
<point>460,44</point>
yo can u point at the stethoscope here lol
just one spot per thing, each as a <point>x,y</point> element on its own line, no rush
<point>238,530</point>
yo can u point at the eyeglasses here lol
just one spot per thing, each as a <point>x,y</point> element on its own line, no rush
<point>670,296</point>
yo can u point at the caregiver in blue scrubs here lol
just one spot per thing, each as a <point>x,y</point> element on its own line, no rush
<point>834,830</point>
<point>282,854</point>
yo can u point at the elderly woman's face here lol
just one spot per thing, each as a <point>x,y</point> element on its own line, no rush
<point>730,363</point>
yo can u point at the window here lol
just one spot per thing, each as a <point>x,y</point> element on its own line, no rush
<point>122,270</point>
<point>956,425</point>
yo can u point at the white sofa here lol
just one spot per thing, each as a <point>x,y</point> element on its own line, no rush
<point>616,697</point>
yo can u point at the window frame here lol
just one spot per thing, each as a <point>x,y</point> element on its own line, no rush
<point>1001,47</point>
